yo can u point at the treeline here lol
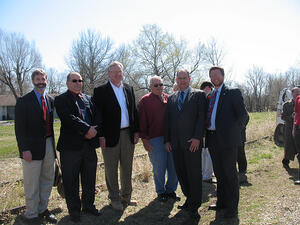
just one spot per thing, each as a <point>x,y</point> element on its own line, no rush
<point>153,52</point>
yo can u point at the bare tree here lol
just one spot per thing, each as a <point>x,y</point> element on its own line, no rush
<point>90,55</point>
<point>18,58</point>
<point>214,54</point>
<point>55,81</point>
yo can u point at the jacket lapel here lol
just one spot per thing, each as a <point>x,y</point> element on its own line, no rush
<point>221,97</point>
<point>72,99</point>
<point>126,92</point>
<point>187,97</point>
<point>112,93</point>
<point>37,105</point>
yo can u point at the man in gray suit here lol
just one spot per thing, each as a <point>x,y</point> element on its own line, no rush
<point>184,127</point>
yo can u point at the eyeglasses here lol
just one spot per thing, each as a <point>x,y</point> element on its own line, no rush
<point>74,81</point>
<point>156,85</point>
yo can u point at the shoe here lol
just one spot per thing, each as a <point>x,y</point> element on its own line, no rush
<point>75,218</point>
<point>208,181</point>
<point>32,221</point>
<point>173,195</point>
<point>117,205</point>
<point>214,207</point>
<point>49,217</point>
<point>162,197</point>
<point>92,211</point>
<point>229,215</point>
<point>183,206</point>
<point>130,202</point>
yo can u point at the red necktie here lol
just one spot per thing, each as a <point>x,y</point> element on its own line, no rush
<point>46,116</point>
<point>212,101</point>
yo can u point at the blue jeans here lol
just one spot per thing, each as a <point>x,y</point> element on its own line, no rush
<point>162,162</point>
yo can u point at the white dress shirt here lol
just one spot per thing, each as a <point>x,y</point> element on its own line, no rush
<point>120,95</point>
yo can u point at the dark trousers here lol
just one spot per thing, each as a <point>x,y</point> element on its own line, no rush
<point>241,159</point>
<point>297,142</point>
<point>224,164</point>
<point>189,172</point>
<point>73,164</point>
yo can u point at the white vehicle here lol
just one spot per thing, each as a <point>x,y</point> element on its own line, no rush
<point>284,96</point>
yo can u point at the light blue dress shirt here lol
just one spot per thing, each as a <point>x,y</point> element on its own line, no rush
<point>214,112</point>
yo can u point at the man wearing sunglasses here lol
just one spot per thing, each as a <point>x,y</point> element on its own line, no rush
<point>152,109</point>
<point>79,137</point>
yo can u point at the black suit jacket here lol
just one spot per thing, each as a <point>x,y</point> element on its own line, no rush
<point>30,126</point>
<point>110,111</point>
<point>180,126</point>
<point>73,127</point>
<point>231,118</point>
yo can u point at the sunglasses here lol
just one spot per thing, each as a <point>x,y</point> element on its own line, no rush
<point>156,85</point>
<point>74,81</point>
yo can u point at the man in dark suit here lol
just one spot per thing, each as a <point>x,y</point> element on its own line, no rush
<point>116,102</point>
<point>226,118</point>
<point>35,137</point>
<point>79,136</point>
<point>184,129</point>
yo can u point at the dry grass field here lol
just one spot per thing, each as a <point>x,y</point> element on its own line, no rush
<point>270,197</point>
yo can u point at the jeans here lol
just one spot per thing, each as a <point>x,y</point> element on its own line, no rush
<point>162,162</point>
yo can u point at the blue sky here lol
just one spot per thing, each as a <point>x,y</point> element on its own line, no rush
<point>253,32</point>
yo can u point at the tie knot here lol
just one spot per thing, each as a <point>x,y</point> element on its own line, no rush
<point>42,97</point>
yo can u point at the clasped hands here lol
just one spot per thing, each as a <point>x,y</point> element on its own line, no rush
<point>193,147</point>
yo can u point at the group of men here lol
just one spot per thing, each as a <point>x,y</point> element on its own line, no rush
<point>291,117</point>
<point>172,129</point>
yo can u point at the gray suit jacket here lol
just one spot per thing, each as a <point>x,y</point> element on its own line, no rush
<point>180,126</point>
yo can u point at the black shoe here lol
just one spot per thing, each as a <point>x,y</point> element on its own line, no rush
<point>162,197</point>
<point>75,218</point>
<point>214,207</point>
<point>92,211</point>
<point>183,206</point>
<point>49,217</point>
<point>32,221</point>
<point>173,195</point>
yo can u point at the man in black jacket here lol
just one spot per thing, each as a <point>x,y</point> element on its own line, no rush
<point>116,102</point>
<point>226,117</point>
<point>35,137</point>
<point>79,136</point>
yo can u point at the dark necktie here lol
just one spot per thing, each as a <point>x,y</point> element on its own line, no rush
<point>180,100</point>
<point>212,101</point>
<point>46,115</point>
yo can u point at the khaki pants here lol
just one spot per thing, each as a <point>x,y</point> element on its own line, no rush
<point>38,181</point>
<point>122,152</point>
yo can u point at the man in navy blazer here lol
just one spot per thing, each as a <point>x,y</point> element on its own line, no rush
<point>116,102</point>
<point>79,137</point>
<point>226,118</point>
<point>35,137</point>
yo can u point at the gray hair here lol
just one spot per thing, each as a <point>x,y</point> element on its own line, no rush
<point>155,78</point>
<point>115,63</point>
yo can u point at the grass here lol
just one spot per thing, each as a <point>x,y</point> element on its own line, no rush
<point>270,197</point>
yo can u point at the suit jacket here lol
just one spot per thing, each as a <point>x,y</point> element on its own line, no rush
<point>189,122</point>
<point>231,118</point>
<point>110,111</point>
<point>73,127</point>
<point>30,126</point>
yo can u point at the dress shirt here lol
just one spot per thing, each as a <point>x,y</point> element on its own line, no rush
<point>214,112</point>
<point>120,95</point>
<point>38,95</point>
<point>152,114</point>
<point>297,111</point>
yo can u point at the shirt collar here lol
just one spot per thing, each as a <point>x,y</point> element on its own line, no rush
<point>220,88</point>
<point>38,95</point>
<point>116,87</point>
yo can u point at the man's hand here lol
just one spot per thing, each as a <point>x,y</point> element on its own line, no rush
<point>168,146</point>
<point>102,142</point>
<point>136,138</point>
<point>27,156</point>
<point>91,133</point>
<point>147,145</point>
<point>194,145</point>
